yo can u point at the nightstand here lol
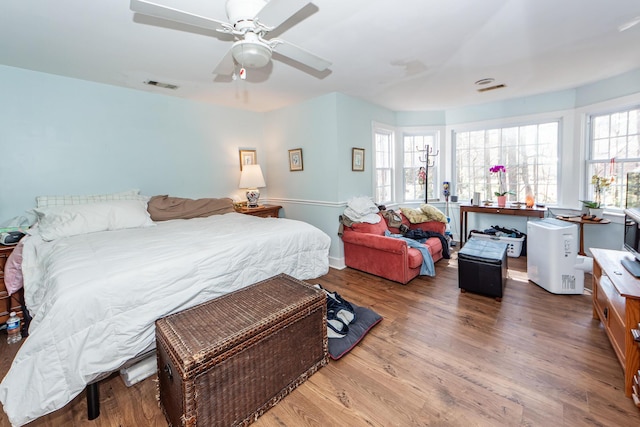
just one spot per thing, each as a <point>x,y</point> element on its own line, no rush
<point>13,302</point>
<point>264,211</point>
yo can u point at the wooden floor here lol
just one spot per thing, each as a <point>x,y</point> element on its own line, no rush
<point>439,358</point>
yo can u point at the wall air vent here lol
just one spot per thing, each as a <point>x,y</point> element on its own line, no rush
<point>160,84</point>
<point>486,81</point>
<point>484,89</point>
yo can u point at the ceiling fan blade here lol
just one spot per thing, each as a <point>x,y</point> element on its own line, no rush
<point>152,9</point>
<point>226,66</point>
<point>275,12</point>
<point>299,54</point>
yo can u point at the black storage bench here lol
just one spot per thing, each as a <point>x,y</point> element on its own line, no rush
<point>482,267</point>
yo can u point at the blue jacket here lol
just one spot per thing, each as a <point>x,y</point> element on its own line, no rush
<point>427,268</point>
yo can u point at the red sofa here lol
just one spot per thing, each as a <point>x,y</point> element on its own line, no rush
<point>366,248</point>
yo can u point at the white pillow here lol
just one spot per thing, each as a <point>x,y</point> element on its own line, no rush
<point>55,222</point>
<point>42,201</point>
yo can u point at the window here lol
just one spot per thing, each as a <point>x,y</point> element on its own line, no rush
<point>401,174</point>
<point>614,151</point>
<point>419,181</point>
<point>529,154</point>
<point>383,147</point>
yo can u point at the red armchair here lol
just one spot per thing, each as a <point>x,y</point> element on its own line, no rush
<point>366,248</point>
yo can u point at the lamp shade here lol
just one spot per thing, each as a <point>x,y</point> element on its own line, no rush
<point>251,177</point>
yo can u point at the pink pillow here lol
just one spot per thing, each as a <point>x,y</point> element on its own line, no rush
<point>13,270</point>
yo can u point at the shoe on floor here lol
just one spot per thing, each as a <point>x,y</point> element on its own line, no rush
<point>343,308</point>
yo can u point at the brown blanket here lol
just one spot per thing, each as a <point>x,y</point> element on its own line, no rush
<point>163,208</point>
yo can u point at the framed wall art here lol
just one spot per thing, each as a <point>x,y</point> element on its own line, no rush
<point>295,159</point>
<point>357,159</point>
<point>248,157</point>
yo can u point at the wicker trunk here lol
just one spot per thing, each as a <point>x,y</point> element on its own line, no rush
<point>227,361</point>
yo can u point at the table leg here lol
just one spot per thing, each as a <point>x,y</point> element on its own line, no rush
<point>463,227</point>
<point>581,252</point>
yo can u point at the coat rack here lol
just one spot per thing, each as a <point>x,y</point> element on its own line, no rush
<point>428,154</point>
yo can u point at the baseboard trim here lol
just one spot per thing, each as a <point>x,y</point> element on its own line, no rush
<point>337,263</point>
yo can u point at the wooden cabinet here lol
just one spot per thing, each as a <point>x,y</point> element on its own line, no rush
<point>616,302</point>
<point>8,303</point>
<point>264,211</point>
<point>636,388</point>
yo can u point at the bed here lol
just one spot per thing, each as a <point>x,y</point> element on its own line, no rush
<point>94,296</point>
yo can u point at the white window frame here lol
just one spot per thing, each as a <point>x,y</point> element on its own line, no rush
<point>561,117</point>
<point>619,183</point>
<point>435,158</point>
<point>391,132</point>
<point>397,164</point>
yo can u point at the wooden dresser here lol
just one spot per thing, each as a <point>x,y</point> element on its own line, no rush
<point>264,211</point>
<point>8,303</point>
<point>616,302</point>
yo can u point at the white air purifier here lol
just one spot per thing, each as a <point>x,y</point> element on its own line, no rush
<point>552,256</point>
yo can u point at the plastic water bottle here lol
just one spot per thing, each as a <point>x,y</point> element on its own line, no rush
<point>13,328</point>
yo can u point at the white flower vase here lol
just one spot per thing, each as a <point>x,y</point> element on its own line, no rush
<point>597,212</point>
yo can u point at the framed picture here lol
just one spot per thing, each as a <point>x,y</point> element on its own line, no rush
<point>357,159</point>
<point>248,157</point>
<point>295,159</point>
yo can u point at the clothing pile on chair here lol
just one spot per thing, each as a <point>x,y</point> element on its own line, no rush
<point>422,236</point>
<point>362,209</point>
<point>359,209</point>
<point>394,220</point>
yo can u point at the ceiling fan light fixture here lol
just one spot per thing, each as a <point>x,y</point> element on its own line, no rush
<point>251,54</point>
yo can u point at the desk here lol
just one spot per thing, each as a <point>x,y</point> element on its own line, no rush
<point>616,303</point>
<point>581,222</point>
<point>494,209</point>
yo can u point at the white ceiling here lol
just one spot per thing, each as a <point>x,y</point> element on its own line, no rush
<point>406,55</point>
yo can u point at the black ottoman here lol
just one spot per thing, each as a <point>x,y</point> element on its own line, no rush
<point>482,267</point>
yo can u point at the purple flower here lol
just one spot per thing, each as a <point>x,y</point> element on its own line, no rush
<point>501,171</point>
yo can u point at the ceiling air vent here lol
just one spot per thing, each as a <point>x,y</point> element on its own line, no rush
<point>160,84</point>
<point>485,89</point>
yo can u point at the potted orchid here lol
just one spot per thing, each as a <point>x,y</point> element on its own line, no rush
<point>502,192</point>
<point>600,185</point>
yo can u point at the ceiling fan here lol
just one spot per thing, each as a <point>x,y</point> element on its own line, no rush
<point>249,21</point>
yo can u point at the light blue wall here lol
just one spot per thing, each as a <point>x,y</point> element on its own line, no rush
<point>355,130</point>
<point>615,87</point>
<point>311,126</point>
<point>420,118</point>
<point>68,136</point>
<point>612,88</point>
<point>513,108</point>
<point>326,128</point>
<point>309,194</point>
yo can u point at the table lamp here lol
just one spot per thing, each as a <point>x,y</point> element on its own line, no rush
<point>251,178</point>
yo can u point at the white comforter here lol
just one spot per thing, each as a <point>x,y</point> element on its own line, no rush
<point>94,297</point>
